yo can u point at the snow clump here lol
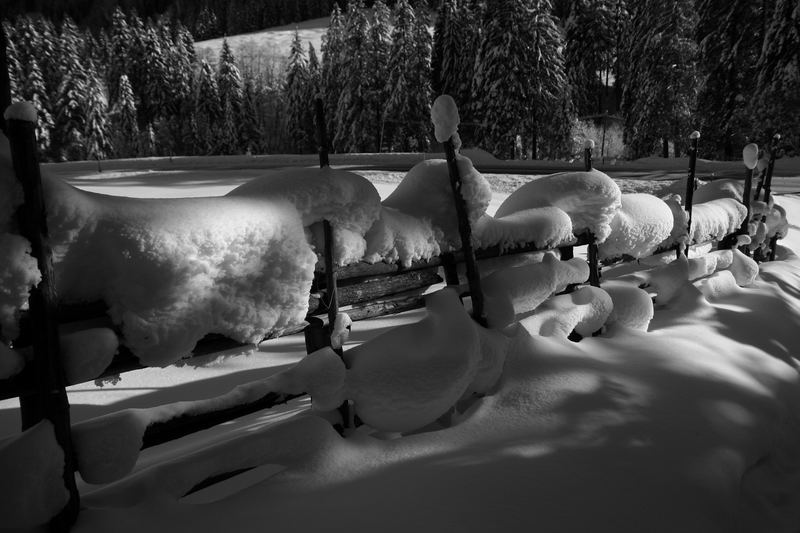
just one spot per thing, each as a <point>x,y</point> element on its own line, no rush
<point>545,227</point>
<point>584,311</point>
<point>444,115</point>
<point>641,224</point>
<point>25,111</point>
<point>632,306</point>
<point>425,193</point>
<point>591,199</point>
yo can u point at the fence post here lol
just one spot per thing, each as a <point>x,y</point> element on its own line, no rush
<point>464,229</point>
<point>588,146</point>
<point>773,151</point>
<point>49,399</point>
<point>691,186</point>
<point>594,262</point>
<point>750,158</point>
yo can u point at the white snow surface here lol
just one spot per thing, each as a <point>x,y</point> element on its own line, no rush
<point>591,199</point>
<point>33,489</point>
<point>642,223</point>
<point>546,227</point>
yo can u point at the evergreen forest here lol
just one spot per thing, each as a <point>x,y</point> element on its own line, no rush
<point>525,73</point>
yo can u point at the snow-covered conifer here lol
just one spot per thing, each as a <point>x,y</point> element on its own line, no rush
<point>124,120</point>
<point>229,82</point>
<point>297,98</point>
<point>332,61</point>
<point>34,91</point>
<point>96,134</point>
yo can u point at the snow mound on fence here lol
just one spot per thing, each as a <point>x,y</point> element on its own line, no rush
<point>520,290</point>
<point>425,193</point>
<point>715,219</point>
<point>591,199</point>
<point>546,227</point>
<point>584,311</point>
<point>637,229</point>
<point>349,201</point>
<point>397,237</point>
<point>173,270</point>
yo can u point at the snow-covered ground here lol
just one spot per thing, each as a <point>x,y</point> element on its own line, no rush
<point>691,425</point>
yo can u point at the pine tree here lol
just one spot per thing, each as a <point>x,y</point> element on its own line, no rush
<point>296,94</point>
<point>207,109</point>
<point>520,73</point>
<point>400,62</point>
<point>229,82</point>
<point>69,108</point>
<point>354,117</point>
<point>16,76</point>
<point>96,133</point>
<point>660,79</point>
<point>590,50</point>
<point>776,107</point>
<point>332,65</point>
<point>124,121</point>
<point>34,91</point>
<point>207,24</point>
<point>419,107</point>
<point>119,60</point>
<point>377,92</point>
<point>729,38</point>
<point>455,47</point>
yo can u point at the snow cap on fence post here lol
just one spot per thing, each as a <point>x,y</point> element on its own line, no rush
<point>444,115</point>
<point>750,156</point>
<point>24,111</point>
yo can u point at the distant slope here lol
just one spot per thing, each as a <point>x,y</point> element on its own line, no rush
<point>272,44</point>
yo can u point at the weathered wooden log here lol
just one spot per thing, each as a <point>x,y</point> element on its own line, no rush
<point>49,401</point>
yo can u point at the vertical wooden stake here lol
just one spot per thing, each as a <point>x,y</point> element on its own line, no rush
<point>773,150</point>
<point>594,263</point>
<point>691,186</point>
<point>464,229</point>
<point>587,155</point>
<point>49,401</point>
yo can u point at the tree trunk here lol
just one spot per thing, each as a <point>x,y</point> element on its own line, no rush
<point>665,148</point>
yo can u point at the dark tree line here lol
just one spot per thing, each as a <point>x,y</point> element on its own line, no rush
<point>523,72</point>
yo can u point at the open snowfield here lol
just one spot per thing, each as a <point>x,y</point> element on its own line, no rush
<point>693,425</point>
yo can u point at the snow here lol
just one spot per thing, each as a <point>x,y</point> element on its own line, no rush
<point>341,330</point>
<point>591,199</point>
<point>642,223</point>
<point>678,416</point>
<point>397,237</point>
<point>546,227</point>
<point>24,111</point>
<point>750,156</point>
<point>444,115</point>
<point>715,219</point>
<point>426,193</point>
<point>86,353</point>
<point>584,311</point>
<point>411,375</point>
<point>33,487</point>
<point>516,291</point>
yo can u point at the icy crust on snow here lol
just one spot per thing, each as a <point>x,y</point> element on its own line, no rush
<point>642,223</point>
<point>546,227</point>
<point>425,193</point>
<point>33,489</point>
<point>516,291</point>
<point>107,447</point>
<point>174,270</point>
<point>591,199</point>
<point>349,201</point>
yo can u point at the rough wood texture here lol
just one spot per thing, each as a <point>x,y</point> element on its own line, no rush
<point>48,400</point>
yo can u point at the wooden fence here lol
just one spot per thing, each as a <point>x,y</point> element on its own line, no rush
<point>369,290</point>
